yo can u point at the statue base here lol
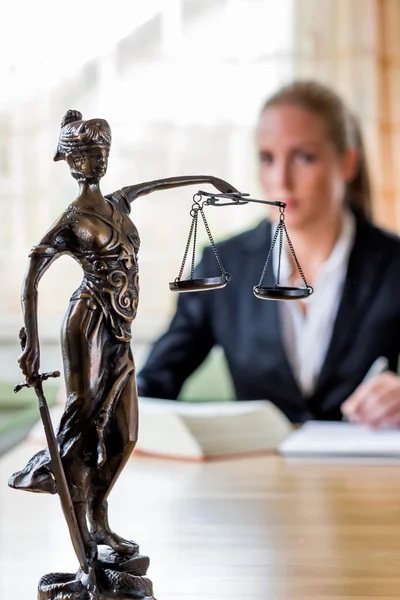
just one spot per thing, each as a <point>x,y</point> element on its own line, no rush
<point>112,576</point>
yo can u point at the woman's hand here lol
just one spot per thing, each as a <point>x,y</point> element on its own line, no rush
<point>29,361</point>
<point>376,402</point>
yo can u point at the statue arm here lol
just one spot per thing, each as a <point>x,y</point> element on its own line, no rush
<point>131,192</point>
<point>41,257</point>
<point>29,360</point>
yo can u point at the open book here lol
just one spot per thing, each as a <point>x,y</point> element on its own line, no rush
<point>202,430</point>
<point>341,440</point>
<point>199,430</point>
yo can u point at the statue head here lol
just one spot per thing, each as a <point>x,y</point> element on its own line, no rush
<point>84,145</point>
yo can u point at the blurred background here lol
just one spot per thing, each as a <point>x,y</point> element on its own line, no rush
<point>181,83</point>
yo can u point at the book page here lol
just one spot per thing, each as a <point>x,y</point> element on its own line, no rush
<point>166,434</point>
<point>341,439</point>
<point>251,428</point>
<point>218,428</point>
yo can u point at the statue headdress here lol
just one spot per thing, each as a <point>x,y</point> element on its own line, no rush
<point>77,134</point>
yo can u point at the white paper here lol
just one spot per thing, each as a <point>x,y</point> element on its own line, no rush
<point>341,439</point>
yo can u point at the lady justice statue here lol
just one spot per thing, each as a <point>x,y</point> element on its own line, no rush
<point>98,429</point>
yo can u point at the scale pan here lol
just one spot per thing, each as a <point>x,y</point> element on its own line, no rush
<point>282,293</point>
<point>198,285</point>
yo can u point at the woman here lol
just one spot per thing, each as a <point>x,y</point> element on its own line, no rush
<point>98,429</point>
<point>308,357</point>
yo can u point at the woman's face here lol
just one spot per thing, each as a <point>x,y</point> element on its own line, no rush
<point>90,164</point>
<point>299,165</point>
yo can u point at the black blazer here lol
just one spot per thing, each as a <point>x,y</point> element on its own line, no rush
<point>248,329</point>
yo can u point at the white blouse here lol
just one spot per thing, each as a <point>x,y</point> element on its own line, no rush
<point>307,335</point>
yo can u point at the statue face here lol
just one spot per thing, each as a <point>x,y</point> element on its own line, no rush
<point>89,164</point>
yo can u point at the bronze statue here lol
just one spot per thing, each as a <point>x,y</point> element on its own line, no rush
<point>98,429</point>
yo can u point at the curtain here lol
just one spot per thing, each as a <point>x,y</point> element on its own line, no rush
<point>354,46</point>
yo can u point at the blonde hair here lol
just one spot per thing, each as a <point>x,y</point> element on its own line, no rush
<point>342,128</point>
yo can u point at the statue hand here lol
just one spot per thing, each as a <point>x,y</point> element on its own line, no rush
<point>29,361</point>
<point>223,186</point>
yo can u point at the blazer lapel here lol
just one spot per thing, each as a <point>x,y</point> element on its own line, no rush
<point>362,278</point>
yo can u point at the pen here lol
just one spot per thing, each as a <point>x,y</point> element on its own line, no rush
<point>380,365</point>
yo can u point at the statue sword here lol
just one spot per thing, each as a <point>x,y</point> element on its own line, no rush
<point>56,463</point>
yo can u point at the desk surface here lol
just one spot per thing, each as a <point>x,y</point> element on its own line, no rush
<point>260,528</point>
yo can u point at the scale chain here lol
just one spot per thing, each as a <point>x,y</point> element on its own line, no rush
<point>269,255</point>
<point>210,237</point>
<point>278,273</point>
<point>300,270</point>
<point>186,249</point>
<point>195,219</point>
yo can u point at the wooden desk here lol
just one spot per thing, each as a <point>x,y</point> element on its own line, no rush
<point>258,528</point>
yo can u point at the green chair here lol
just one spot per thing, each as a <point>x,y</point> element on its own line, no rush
<point>211,381</point>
